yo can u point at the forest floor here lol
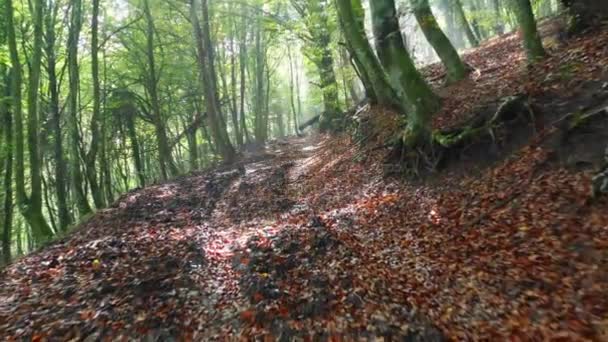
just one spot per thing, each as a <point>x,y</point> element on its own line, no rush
<point>311,241</point>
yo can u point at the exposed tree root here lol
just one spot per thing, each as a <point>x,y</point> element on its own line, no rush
<point>431,155</point>
<point>512,109</point>
<point>514,112</point>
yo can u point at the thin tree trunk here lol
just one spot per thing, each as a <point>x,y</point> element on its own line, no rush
<point>233,86</point>
<point>167,166</point>
<point>205,59</point>
<point>351,17</point>
<point>243,70</point>
<point>91,157</point>
<point>31,208</point>
<point>260,130</point>
<point>291,91</point>
<point>105,157</point>
<point>455,67</point>
<point>531,38</point>
<point>464,23</point>
<point>77,178</point>
<point>7,205</point>
<point>60,169</point>
<point>422,102</point>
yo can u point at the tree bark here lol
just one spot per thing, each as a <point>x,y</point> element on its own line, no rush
<point>455,67</point>
<point>531,38</point>
<point>315,15</point>
<point>167,166</point>
<point>243,82</point>
<point>464,23</point>
<point>351,18</point>
<point>77,179</point>
<point>7,165</point>
<point>233,87</point>
<point>31,208</point>
<point>205,59</point>
<point>91,157</point>
<point>421,102</point>
<point>260,129</point>
<point>60,170</point>
<point>292,102</point>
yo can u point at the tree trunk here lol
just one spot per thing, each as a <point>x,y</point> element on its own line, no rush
<point>531,38</point>
<point>464,23</point>
<point>499,27</point>
<point>421,101</point>
<point>167,166</point>
<point>91,157</point>
<point>7,165</point>
<point>105,156</point>
<point>316,16</point>
<point>60,163</point>
<point>260,130</point>
<point>233,87</point>
<point>455,34</point>
<point>351,17</point>
<point>456,69</point>
<point>135,149</point>
<point>31,208</point>
<point>292,102</point>
<point>205,59</point>
<point>77,178</point>
<point>243,86</point>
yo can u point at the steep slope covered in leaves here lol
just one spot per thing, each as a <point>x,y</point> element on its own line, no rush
<point>309,240</point>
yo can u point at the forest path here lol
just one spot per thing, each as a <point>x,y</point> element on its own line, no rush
<point>309,241</point>
<point>206,256</point>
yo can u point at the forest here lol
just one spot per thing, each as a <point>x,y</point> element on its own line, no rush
<point>303,170</point>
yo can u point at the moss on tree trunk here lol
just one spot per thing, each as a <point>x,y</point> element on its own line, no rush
<point>456,69</point>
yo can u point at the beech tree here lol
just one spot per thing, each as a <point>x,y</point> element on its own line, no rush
<point>374,78</point>
<point>421,102</point>
<point>531,38</point>
<point>315,14</point>
<point>29,206</point>
<point>455,67</point>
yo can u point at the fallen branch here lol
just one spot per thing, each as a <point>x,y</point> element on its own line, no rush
<point>310,122</point>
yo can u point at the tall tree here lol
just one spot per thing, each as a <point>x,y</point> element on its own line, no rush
<point>421,102</point>
<point>351,17</point>
<point>55,113</point>
<point>292,81</point>
<point>6,164</point>
<point>315,14</point>
<point>527,23</point>
<point>205,59</point>
<point>31,208</point>
<point>456,69</point>
<point>464,23</point>
<point>260,126</point>
<point>80,197</point>
<point>167,166</point>
<point>243,74</point>
<point>91,157</point>
<point>238,135</point>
